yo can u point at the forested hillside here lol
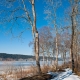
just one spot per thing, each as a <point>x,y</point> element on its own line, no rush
<point>15,56</point>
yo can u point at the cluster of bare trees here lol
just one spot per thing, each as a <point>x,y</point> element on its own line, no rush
<point>50,41</point>
<point>65,42</point>
<point>74,35</point>
<point>47,44</point>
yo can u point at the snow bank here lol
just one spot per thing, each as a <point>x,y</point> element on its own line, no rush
<point>72,77</point>
<point>67,75</point>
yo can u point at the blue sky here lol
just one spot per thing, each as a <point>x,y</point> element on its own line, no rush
<point>11,45</point>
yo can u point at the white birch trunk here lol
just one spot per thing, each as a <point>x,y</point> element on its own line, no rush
<point>36,39</point>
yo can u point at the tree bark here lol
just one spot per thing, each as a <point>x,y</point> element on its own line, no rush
<point>64,57</point>
<point>47,59</point>
<point>43,59</point>
<point>37,52</point>
<point>72,58</point>
<point>76,52</point>
<point>57,52</point>
<point>70,53</point>
<point>36,38</point>
<point>74,25</point>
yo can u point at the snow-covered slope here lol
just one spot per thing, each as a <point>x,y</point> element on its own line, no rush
<point>67,75</point>
<point>72,77</point>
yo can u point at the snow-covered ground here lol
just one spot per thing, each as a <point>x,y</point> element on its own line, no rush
<point>72,77</point>
<point>67,75</point>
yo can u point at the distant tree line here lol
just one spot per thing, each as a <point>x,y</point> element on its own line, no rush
<point>15,56</point>
<point>5,56</point>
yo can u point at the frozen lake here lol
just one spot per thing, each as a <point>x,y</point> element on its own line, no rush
<point>12,64</point>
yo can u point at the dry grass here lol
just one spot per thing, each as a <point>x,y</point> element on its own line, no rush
<point>64,66</point>
<point>47,68</point>
<point>78,73</point>
<point>77,69</point>
<point>19,72</point>
<point>31,71</point>
<point>44,69</point>
<point>27,72</point>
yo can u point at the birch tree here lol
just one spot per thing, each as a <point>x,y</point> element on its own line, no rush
<point>65,44</point>
<point>51,14</point>
<point>15,10</point>
<point>45,41</point>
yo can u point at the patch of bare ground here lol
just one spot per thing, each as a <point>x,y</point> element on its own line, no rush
<point>38,77</point>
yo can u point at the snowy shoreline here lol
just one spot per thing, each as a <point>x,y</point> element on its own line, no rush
<point>67,75</point>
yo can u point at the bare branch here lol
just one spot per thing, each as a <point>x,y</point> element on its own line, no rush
<point>27,14</point>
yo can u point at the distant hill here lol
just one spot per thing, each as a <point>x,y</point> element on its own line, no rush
<point>15,56</point>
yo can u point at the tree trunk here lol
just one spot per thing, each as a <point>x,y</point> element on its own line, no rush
<point>72,57</point>
<point>37,52</point>
<point>43,59</point>
<point>36,38</point>
<point>76,53</point>
<point>47,60</point>
<point>74,25</point>
<point>56,52</point>
<point>64,57</point>
<point>70,53</point>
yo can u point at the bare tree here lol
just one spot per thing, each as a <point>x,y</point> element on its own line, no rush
<point>74,26</point>
<point>51,14</point>
<point>65,44</point>
<point>15,12</point>
<point>45,41</point>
